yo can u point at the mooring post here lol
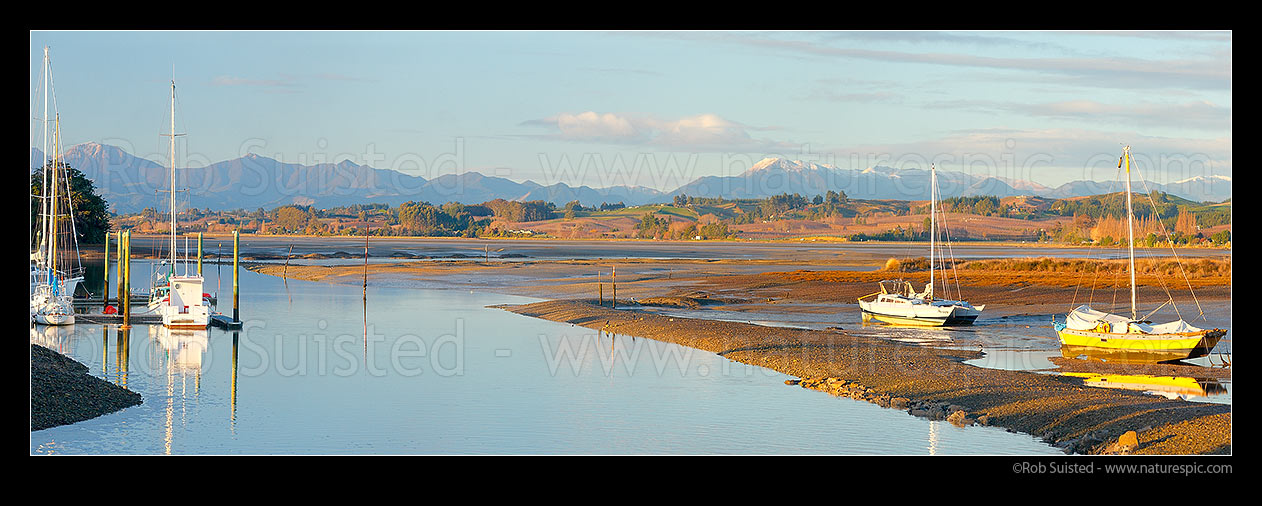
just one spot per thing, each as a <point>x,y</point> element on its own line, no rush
<point>105,296</point>
<point>601,286</point>
<point>126,293</point>
<point>199,254</point>
<point>613,280</point>
<point>366,267</point>
<point>236,272</point>
<point>118,272</point>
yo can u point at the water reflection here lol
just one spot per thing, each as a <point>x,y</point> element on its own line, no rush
<point>232,417</point>
<point>1172,387</point>
<point>122,356</point>
<point>182,354</point>
<point>1122,356</point>
<point>59,338</point>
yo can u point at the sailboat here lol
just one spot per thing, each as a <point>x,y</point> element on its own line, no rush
<point>898,303</point>
<point>54,278</point>
<point>178,296</point>
<point>1088,328</point>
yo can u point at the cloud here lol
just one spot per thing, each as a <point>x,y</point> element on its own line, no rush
<point>1049,156</point>
<point>1201,114</point>
<point>1212,72</point>
<point>701,132</point>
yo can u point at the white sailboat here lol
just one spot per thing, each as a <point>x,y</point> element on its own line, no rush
<point>1134,338</point>
<point>898,303</point>
<point>177,295</point>
<point>55,269</point>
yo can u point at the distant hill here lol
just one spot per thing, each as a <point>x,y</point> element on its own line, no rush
<point>773,176</point>
<point>131,183</point>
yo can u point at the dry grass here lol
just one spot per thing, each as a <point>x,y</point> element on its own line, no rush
<point>1048,272</point>
<point>1201,267</point>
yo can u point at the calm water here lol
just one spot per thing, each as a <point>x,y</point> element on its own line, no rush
<point>426,371</point>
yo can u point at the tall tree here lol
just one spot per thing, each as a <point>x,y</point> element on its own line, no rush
<point>91,215</point>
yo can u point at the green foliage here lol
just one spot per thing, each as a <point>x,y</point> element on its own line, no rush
<point>91,215</point>
<point>780,204</point>
<point>651,227</point>
<point>1221,237</point>
<point>984,205</point>
<point>535,210</point>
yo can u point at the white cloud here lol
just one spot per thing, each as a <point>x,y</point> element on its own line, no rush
<point>702,132</point>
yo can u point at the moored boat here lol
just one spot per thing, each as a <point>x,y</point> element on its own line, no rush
<point>1134,336</point>
<point>898,304</point>
<point>177,296</point>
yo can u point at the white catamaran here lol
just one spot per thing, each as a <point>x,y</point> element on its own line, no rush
<point>177,295</point>
<point>55,269</point>
<point>1134,338</point>
<point>899,304</point>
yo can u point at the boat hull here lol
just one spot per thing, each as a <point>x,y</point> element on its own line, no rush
<point>957,317</point>
<point>1134,347</point>
<point>54,319</point>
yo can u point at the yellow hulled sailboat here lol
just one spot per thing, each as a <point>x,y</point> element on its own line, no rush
<point>1132,335</point>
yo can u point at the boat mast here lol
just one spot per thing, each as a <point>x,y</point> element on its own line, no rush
<point>52,216</point>
<point>172,177</point>
<point>43,162</point>
<point>933,220</point>
<point>1130,227</point>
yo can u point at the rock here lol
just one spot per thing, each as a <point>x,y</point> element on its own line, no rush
<point>959,418</point>
<point>792,382</point>
<point>983,420</point>
<point>1125,444</point>
<point>899,402</point>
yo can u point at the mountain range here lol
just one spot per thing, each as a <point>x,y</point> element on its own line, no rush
<point>132,183</point>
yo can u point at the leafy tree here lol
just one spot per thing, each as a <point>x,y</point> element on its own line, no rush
<point>91,217</point>
<point>292,219</point>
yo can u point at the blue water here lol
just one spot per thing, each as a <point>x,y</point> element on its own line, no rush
<point>429,371</point>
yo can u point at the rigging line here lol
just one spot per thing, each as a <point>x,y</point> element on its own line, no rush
<point>69,202</point>
<point>1172,251</point>
<point>1095,274</point>
<point>951,252</point>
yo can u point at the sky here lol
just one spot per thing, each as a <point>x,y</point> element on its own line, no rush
<point>653,108</point>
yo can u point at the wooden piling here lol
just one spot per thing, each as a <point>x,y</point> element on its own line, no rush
<point>613,280</point>
<point>118,271</point>
<point>601,285</point>
<point>236,273</point>
<point>366,230</point>
<point>126,293</point>
<point>105,297</point>
<point>199,254</point>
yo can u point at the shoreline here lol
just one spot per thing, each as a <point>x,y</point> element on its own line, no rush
<point>62,391</point>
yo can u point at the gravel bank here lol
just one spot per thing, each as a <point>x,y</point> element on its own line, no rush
<point>62,391</point>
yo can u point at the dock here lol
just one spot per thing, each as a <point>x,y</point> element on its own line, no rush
<point>117,319</point>
<point>224,321</point>
<point>219,320</point>
<point>139,298</point>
